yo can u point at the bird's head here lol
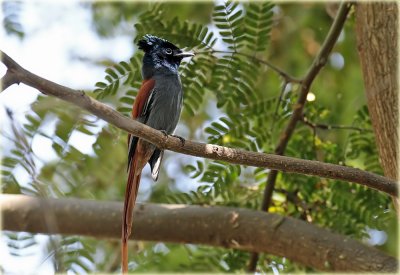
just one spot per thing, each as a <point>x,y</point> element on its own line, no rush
<point>160,56</point>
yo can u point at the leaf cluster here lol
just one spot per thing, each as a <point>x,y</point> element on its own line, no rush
<point>11,18</point>
<point>55,122</point>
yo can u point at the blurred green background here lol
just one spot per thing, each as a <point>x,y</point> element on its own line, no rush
<point>53,149</point>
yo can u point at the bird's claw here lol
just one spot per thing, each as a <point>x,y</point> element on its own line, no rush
<point>164,133</point>
<point>180,138</point>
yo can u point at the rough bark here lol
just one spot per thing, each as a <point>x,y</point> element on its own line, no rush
<point>376,29</point>
<point>242,229</point>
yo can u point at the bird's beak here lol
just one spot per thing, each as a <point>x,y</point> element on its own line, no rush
<point>184,54</point>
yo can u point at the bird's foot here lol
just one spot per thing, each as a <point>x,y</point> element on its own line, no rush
<point>181,139</point>
<point>164,133</point>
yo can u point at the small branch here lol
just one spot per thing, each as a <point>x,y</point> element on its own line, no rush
<point>210,151</point>
<point>288,78</point>
<point>9,79</point>
<point>295,199</point>
<point>319,61</point>
<point>11,76</point>
<point>284,85</point>
<point>242,229</point>
<point>322,126</point>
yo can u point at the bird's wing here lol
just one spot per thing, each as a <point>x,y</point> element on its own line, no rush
<point>140,111</point>
<point>141,104</point>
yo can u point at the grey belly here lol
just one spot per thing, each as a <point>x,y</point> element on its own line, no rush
<point>167,104</point>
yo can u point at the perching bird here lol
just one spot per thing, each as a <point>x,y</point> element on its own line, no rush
<point>158,104</point>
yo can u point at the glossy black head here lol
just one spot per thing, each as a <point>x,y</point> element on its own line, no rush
<point>161,56</point>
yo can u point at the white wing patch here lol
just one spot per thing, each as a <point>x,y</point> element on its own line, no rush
<point>148,103</point>
<point>156,168</point>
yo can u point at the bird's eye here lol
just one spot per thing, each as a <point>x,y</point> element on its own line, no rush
<point>168,51</point>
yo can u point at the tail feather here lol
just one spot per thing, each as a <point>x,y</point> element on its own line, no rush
<point>131,191</point>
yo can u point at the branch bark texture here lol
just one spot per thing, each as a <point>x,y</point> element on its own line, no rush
<point>216,152</point>
<point>242,229</point>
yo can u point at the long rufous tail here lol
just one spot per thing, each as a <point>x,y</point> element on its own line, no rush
<point>131,191</point>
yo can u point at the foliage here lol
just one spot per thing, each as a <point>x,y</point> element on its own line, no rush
<point>11,20</point>
<point>239,102</point>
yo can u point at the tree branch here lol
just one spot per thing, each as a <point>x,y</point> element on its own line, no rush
<point>319,61</point>
<point>322,126</point>
<point>216,152</point>
<point>9,79</point>
<point>288,78</point>
<point>227,227</point>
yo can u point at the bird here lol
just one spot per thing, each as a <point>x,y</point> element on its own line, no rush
<point>158,104</point>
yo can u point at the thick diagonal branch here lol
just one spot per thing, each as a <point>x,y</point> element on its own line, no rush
<point>242,229</point>
<point>216,152</point>
<point>319,61</point>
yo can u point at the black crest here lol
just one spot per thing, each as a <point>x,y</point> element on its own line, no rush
<point>150,41</point>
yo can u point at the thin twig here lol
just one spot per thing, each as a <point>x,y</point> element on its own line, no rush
<point>323,126</point>
<point>275,115</point>
<point>288,78</point>
<point>319,61</point>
